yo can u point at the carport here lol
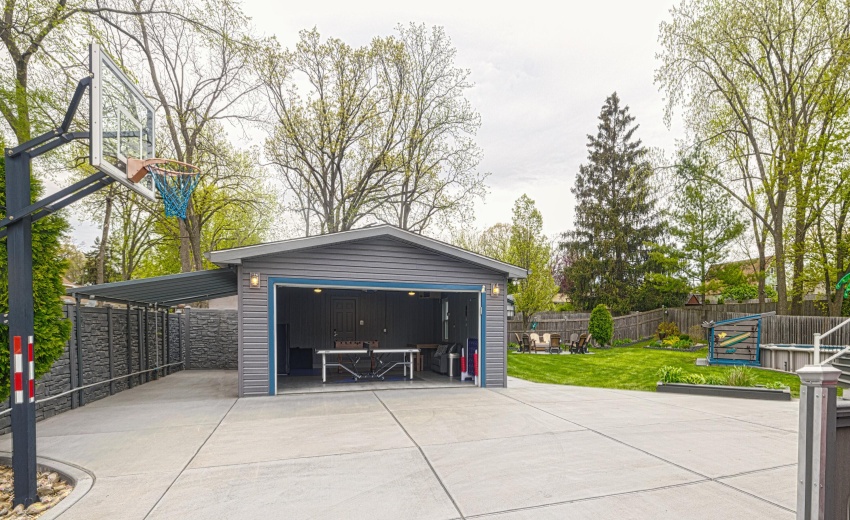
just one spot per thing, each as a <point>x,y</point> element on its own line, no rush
<point>377,285</point>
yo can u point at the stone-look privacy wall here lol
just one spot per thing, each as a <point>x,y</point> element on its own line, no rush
<point>211,338</point>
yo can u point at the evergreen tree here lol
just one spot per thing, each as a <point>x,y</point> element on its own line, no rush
<point>615,214</point>
<point>51,329</point>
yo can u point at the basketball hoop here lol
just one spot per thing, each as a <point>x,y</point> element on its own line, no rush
<point>174,180</point>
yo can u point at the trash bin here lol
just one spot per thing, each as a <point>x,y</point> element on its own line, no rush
<point>454,365</point>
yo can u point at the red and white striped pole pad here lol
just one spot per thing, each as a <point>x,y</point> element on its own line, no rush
<point>32,371</point>
<point>19,369</point>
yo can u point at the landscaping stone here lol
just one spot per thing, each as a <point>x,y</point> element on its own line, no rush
<point>51,490</point>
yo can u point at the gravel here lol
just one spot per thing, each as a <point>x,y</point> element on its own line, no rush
<point>51,490</point>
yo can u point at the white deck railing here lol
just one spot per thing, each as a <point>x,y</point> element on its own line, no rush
<point>819,337</point>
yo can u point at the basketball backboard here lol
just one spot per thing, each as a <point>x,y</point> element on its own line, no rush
<point>122,123</point>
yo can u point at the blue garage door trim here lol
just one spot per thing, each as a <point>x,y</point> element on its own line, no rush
<point>355,284</point>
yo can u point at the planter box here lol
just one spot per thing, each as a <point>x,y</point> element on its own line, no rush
<point>698,346</point>
<point>742,392</point>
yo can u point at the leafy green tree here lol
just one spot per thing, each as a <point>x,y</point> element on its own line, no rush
<point>764,85</point>
<point>51,329</point>
<point>740,292</point>
<point>615,214</point>
<point>529,248</point>
<point>704,218</point>
<point>601,324</point>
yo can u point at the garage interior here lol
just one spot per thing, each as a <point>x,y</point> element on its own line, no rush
<point>309,319</point>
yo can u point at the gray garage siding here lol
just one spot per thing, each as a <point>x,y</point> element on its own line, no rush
<point>374,259</point>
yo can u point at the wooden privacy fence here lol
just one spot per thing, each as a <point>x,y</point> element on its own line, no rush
<point>633,326</point>
<point>775,329</point>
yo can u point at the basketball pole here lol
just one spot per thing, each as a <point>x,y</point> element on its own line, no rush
<point>17,228</point>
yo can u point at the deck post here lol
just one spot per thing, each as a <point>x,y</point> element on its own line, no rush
<point>816,452</point>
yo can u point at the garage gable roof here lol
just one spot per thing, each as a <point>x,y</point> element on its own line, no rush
<point>236,255</point>
<point>164,291</point>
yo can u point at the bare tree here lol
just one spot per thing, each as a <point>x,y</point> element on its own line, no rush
<point>198,71</point>
<point>382,133</point>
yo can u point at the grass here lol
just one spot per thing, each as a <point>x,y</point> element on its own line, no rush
<point>629,368</point>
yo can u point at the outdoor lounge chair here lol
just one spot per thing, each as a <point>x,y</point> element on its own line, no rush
<point>525,343</point>
<point>573,339</point>
<point>555,343</point>
<point>581,346</point>
<point>538,344</point>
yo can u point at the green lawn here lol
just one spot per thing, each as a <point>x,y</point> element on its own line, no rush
<point>630,368</point>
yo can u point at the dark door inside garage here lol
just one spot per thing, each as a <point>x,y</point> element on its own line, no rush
<point>344,319</point>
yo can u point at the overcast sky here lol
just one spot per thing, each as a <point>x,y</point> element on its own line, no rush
<point>541,75</point>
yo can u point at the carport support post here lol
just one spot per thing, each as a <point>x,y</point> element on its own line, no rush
<point>129,349</point>
<point>816,454</point>
<point>109,345</point>
<point>155,342</point>
<point>80,398</point>
<point>21,326</point>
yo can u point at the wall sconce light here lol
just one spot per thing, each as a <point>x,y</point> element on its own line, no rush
<point>317,290</point>
<point>411,293</point>
<point>496,289</point>
<point>254,281</point>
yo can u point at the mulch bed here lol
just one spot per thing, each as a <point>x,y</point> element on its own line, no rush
<point>51,489</point>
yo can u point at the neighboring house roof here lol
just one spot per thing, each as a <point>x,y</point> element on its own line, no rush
<point>693,299</point>
<point>237,255</point>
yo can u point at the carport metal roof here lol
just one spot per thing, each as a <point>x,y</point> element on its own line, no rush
<point>164,291</point>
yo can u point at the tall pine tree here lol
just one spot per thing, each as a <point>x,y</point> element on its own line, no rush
<point>615,215</point>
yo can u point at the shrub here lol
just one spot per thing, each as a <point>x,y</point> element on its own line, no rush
<point>667,328</point>
<point>668,374</point>
<point>715,379</point>
<point>776,385</point>
<point>741,376</point>
<point>694,379</point>
<point>696,332</point>
<point>622,341</point>
<point>683,343</point>
<point>601,325</point>
<point>513,346</point>
<point>741,292</point>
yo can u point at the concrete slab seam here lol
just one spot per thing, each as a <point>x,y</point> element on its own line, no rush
<point>191,459</point>
<point>422,452</point>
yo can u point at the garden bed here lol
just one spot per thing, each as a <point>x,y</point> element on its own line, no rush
<point>741,392</point>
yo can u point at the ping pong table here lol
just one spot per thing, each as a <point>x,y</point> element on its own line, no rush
<point>381,366</point>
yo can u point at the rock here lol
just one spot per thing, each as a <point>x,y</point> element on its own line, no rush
<point>37,507</point>
<point>18,509</point>
<point>45,490</point>
<point>53,477</point>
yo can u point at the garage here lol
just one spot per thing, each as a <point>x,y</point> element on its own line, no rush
<point>369,292</point>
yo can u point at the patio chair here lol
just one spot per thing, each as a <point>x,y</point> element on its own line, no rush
<point>555,343</point>
<point>535,338</point>
<point>525,343</point>
<point>540,344</point>
<point>581,345</point>
<point>545,339</point>
<point>573,339</point>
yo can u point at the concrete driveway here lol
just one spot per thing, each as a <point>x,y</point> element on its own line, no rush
<point>185,447</point>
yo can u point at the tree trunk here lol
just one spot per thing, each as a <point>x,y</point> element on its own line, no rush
<point>798,251</point>
<point>104,238</point>
<point>185,247</point>
<point>779,263</point>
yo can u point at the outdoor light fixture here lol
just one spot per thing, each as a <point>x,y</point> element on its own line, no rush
<point>496,289</point>
<point>411,293</point>
<point>255,280</point>
<point>317,290</point>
